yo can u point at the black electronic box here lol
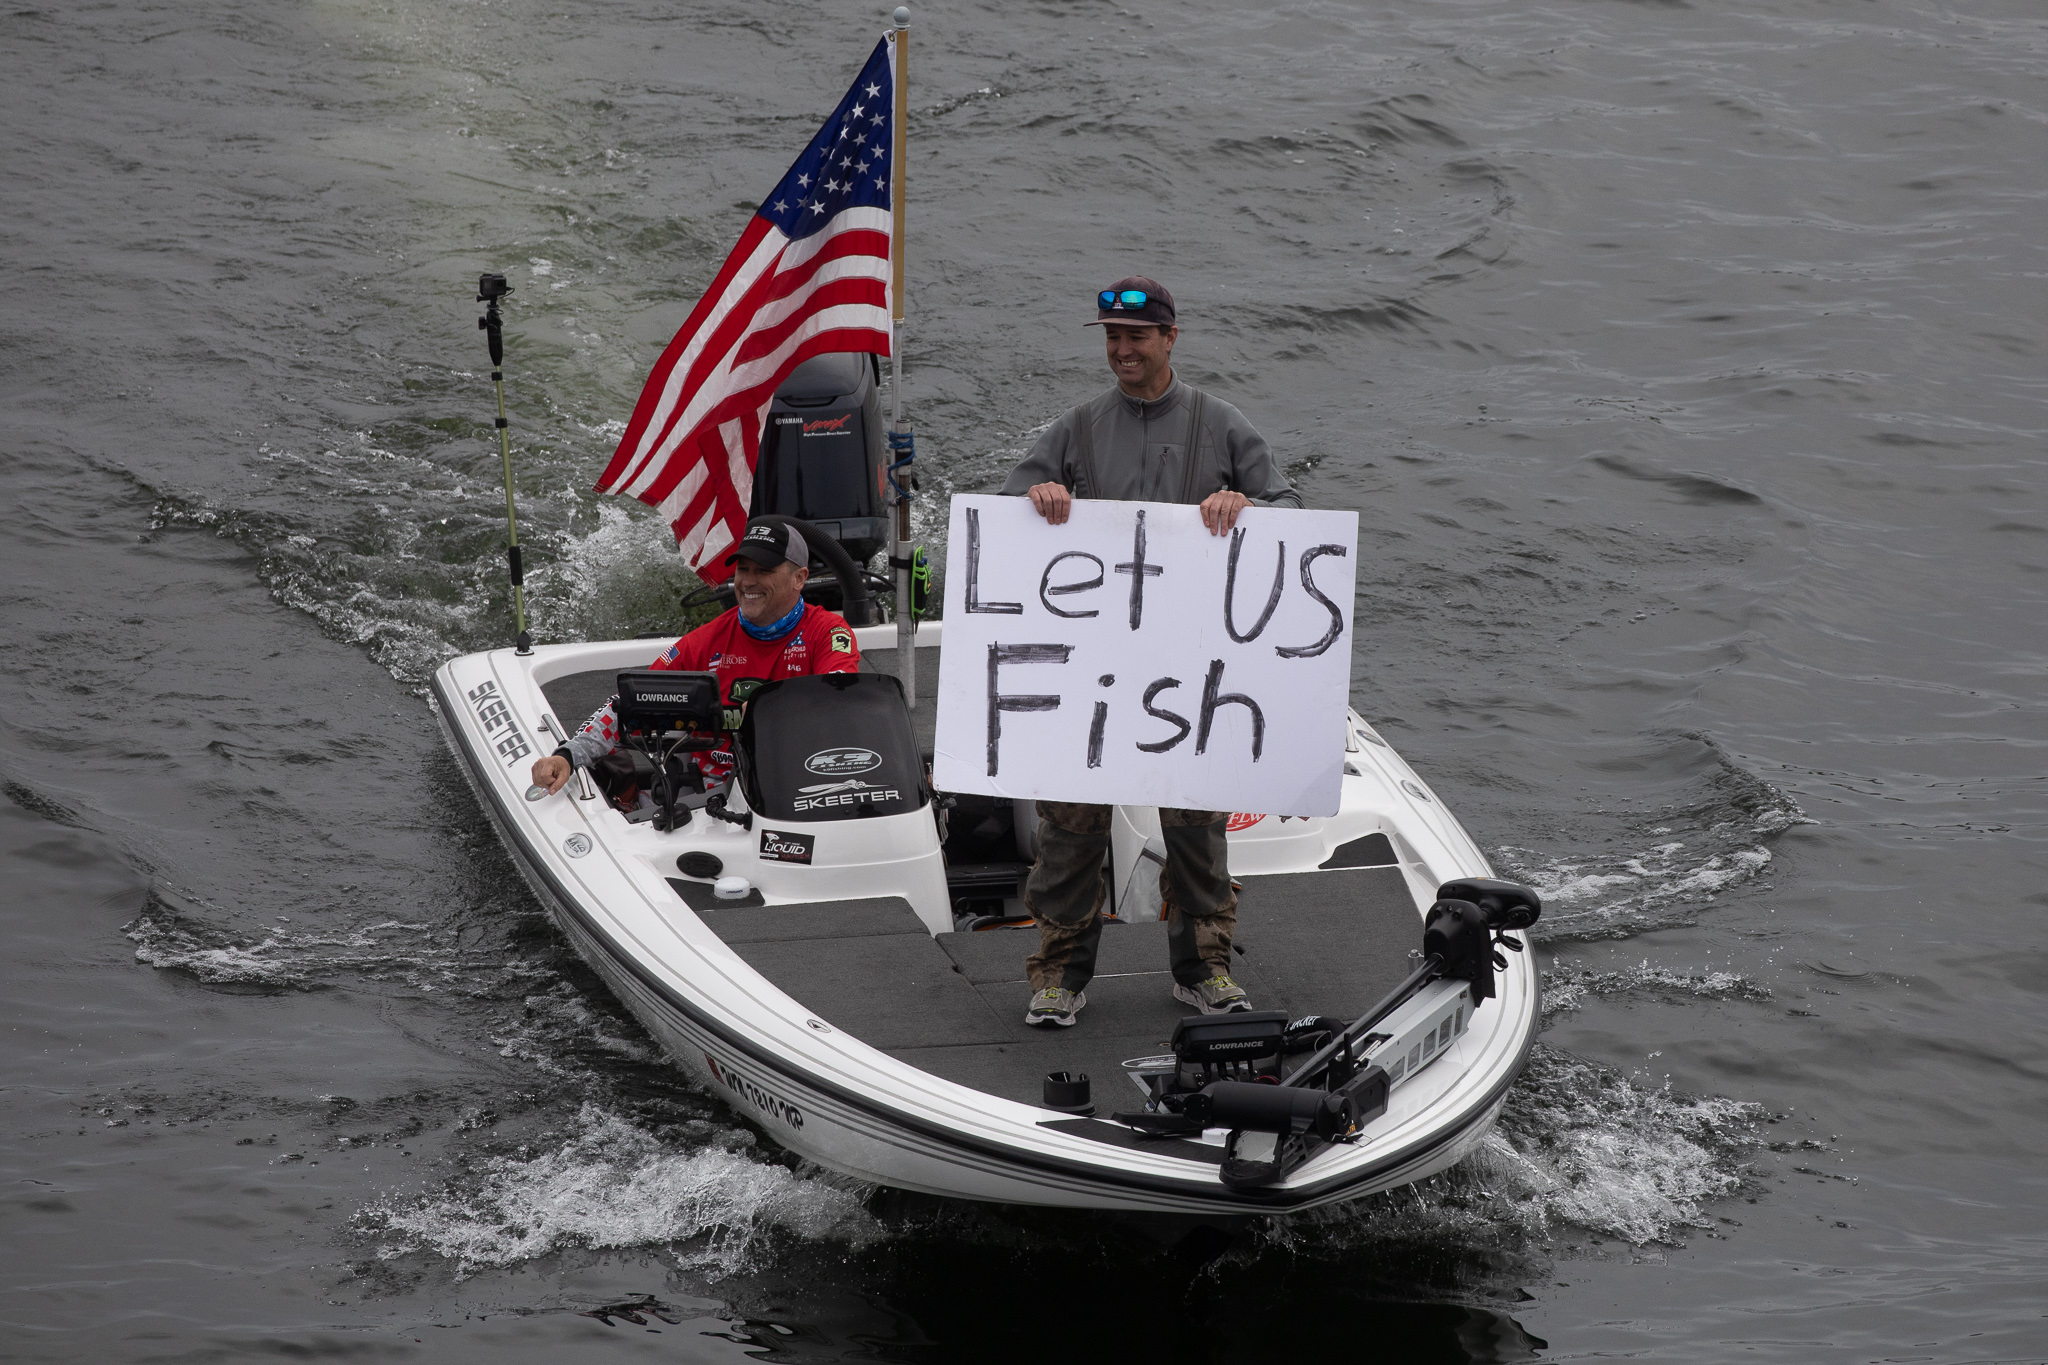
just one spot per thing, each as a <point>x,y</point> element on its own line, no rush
<point>653,701</point>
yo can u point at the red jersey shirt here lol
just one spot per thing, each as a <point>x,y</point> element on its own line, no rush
<point>822,642</point>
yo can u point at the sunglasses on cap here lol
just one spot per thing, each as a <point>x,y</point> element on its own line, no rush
<point>1127,298</point>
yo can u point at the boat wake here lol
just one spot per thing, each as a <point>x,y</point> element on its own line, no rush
<point>414,590</point>
<point>1567,987</point>
<point>1713,839</point>
<point>718,1209</point>
<point>1581,1154</point>
<point>175,933</point>
<point>1581,1146</point>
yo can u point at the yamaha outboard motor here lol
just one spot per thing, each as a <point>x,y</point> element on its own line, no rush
<point>824,452</point>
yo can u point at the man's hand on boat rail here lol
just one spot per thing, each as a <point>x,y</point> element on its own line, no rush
<point>551,772</point>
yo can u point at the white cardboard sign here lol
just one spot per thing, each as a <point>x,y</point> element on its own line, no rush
<point>1130,657</point>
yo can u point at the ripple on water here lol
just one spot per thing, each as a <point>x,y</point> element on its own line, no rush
<point>1566,987</point>
<point>1713,837</point>
<point>176,932</point>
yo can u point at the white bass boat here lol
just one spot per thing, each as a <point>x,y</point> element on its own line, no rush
<point>860,992</point>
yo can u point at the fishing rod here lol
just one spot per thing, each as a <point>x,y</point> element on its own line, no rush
<point>489,289</point>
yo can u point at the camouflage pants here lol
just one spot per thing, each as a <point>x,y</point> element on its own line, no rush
<point>1068,885</point>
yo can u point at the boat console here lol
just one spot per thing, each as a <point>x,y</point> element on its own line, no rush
<point>663,715</point>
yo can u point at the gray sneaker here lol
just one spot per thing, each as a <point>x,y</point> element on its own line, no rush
<point>1054,1007</point>
<point>1218,995</point>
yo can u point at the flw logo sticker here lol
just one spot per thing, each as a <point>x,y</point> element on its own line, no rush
<point>1245,819</point>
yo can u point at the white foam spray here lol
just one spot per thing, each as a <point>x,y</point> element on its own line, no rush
<point>720,1211</point>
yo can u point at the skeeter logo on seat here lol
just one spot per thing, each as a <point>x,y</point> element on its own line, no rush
<point>842,762</point>
<point>493,714</point>
<point>851,792</point>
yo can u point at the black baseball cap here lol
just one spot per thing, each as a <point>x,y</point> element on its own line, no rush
<point>769,543</point>
<point>1155,311</point>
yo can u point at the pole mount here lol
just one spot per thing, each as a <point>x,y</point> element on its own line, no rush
<point>490,287</point>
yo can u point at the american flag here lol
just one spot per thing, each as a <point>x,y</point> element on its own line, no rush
<point>810,275</point>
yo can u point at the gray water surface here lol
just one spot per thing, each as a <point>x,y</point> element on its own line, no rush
<point>1683,362</point>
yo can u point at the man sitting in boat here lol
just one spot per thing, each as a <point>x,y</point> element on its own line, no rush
<point>1152,438</point>
<point>771,633</point>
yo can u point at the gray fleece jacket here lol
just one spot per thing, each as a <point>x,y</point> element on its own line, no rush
<point>1137,451</point>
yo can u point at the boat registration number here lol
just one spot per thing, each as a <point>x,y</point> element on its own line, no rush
<point>751,1094</point>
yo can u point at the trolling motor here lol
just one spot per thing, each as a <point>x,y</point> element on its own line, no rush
<point>664,714</point>
<point>1226,1068</point>
<point>489,289</point>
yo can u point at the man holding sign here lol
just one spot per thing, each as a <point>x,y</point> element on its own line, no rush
<point>1152,438</point>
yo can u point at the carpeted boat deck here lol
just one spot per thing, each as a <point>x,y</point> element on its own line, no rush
<point>1327,942</point>
<point>1314,943</point>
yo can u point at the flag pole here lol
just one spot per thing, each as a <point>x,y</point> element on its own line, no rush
<point>906,617</point>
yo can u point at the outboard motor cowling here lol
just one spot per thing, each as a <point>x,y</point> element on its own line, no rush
<point>824,452</point>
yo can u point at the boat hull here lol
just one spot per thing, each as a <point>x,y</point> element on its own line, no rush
<point>875,1122</point>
